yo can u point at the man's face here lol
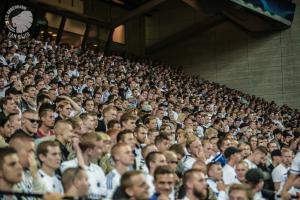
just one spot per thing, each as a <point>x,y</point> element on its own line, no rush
<point>259,157</point>
<point>32,92</point>
<point>89,123</point>
<point>226,144</point>
<point>287,158</point>
<point>141,135</point>
<point>6,130</point>
<point>245,150</point>
<point>97,150</point>
<point>208,149</point>
<point>12,171</point>
<point>11,107</point>
<point>48,120</point>
<point>164,145</point>
<point>238,195</point>
<point>82,183</point>
<point>26,151</point>
<point>130,140</point>
<point>89,106</point>
<point>66,111</point>
<point>199,184</point>
<point>53,158</point>
<point>152,124</point>
<point>164,183</point>
<point>111,114</point>
<point>160,160</point>
<point>241,170</point>
<point>126,156</point>
<point>139,189</point>
<point>129,124</point>
<point>196,148</point>
<point>30,122</point>
<point>68,132</point>
<point>15,122</point>
<point>272,146</point>
<point>216,172</point>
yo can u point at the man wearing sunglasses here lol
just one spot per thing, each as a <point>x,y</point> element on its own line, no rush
<point>30,122</point>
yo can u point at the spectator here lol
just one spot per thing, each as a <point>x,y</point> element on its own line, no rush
<point>49,154</point>
<point>132,186</point>
<point>10,169</point>
<point>75,182</point>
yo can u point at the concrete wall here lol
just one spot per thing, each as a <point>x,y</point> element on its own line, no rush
<point>267,65</point>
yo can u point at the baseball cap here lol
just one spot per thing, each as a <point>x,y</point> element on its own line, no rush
<point>230,151</point>
<point>254,176</point>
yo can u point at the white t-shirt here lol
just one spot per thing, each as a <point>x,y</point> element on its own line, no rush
<point>295,168</point>
<point>280,174</point>
<point>52,183</point>
<point>229,175</point>
<point>112,182</point>
<point>97,180</point>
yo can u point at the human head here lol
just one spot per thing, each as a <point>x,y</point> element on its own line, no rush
<point>155,159</point>
<point>134,185</point>
<point>15,121</point>
<point>164,180</point>
<point>109,113</point>
<point>9,106</point>
<point>140,133</point>
<point>47,117</point>
<point>194,146</point>
<point>162,142</point>
<point>287,156</point>
<point>75,182</point>
<point>63,130</point>
<point>241,169</point>
<point>128,121</point>
<point>11,171</point>
<point>172,159</point>
<point>122,154</point>
<point>214,171</point>
<point>48,152</point>
<point>91,145</point>
<point>259,155</point>
<point>239,192</point>
<point>64,108</point>
<point>126,136</point>
<point>24,146</point>
<point>5,128</point>
<point>30,121</point>
<point>194,183</point>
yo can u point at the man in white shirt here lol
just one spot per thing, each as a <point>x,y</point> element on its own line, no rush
<point>294,173</point>
<point>241,169</point>
<point>280,173</point>
<point>91,146</point>
<point>154,160</point>
<point>195,151</point>
<point>214,181</point>
<point>48,152</point>
<point>233,156</point>
<point>123,158</point>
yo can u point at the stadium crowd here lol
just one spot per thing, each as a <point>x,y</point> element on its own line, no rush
<point>83,124</point>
